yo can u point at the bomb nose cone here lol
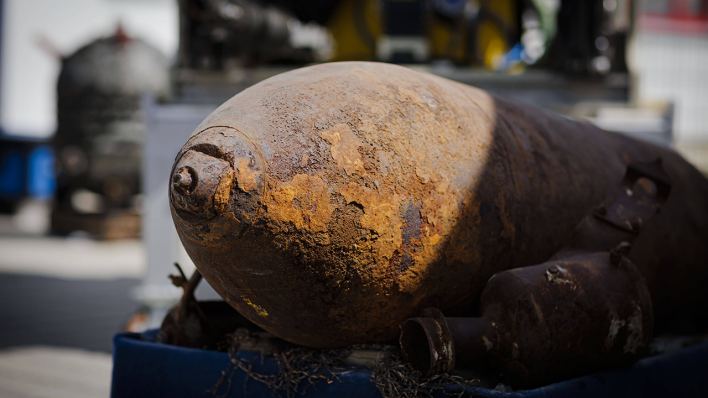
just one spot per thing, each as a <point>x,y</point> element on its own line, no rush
<point>218,171</point>
<point>201,184</point>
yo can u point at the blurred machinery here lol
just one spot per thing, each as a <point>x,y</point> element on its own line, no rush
<point>100,132</point>
<point>586,36</point>
<point>554,53</point>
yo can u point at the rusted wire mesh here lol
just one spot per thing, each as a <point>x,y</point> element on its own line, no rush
<point>299,368</point>
<point>396,378</point>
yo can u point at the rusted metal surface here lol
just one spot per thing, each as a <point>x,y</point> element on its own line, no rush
<point>428,343</point>
<point>616,222</point>
<point>549,322</point>
<point>586,309</point>
<point>357,194</point>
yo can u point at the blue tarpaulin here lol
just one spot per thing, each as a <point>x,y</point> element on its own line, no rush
<point>143,368</point>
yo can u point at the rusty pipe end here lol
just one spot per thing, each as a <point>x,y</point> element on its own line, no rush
<point>427,344</point>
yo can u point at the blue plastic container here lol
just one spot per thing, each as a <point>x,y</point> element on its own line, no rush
<point>26,169</point>
<point>143,368</point>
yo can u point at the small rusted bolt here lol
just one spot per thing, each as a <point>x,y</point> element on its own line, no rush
<point>552,273</point>
<point>601,210</point>
<point>182,181</point>
<point>624,247</point>
<point>618,252</point>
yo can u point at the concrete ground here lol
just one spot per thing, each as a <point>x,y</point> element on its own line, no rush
<point>61,302</point>
<point>52,372</point>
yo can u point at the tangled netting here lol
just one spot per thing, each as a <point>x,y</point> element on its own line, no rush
<point>299,368</point>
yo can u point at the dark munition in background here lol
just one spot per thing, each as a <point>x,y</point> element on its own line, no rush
<point>331,203</point>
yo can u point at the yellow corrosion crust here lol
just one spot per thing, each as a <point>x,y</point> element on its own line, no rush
<point>221,196</point>
<point>380,215</point>
<point>259,310</point>
<point>246,177</point>
<point>304,202</point>
<point>344,148</point>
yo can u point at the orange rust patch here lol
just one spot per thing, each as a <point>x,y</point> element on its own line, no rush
<point>304,202</point>
<point>344,148</point>
<point>423,174</point>
<point>246,178</point>
<point>380,216</point>
<point>440,209</point>
<point>221,196</point>
<point>440,213</point>
<point>426,255</point>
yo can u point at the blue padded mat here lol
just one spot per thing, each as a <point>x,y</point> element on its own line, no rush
<point>143,368</point>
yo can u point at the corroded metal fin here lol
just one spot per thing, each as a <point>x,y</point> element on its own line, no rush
<point>643,190</point>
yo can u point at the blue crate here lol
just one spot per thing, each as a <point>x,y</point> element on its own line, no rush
<point>143,368</point>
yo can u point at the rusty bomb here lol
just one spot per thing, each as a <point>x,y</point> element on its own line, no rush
<point>330,203</point>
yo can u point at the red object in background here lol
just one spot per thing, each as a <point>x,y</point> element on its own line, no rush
<point>687,8</point>
<point>675,16</point>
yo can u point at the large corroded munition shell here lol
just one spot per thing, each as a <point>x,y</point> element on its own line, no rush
<point>331,203</point>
